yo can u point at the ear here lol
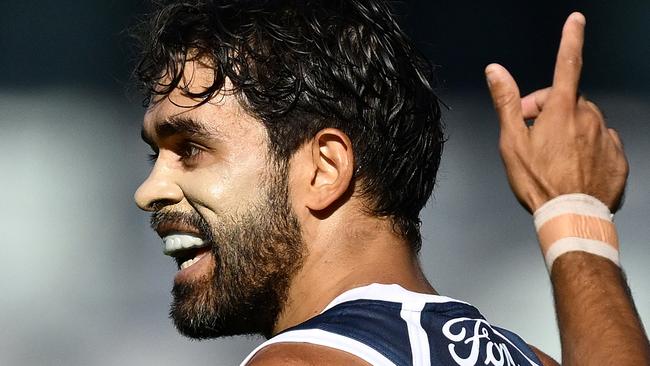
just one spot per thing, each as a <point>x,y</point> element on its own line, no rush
<point>332,167</point>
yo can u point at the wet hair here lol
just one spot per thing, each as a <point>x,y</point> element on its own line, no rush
<point>300,66</point>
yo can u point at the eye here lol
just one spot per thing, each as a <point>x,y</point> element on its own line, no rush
<point>152,157</point>
<point>188,152</point>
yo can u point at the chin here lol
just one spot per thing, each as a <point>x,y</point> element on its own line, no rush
<point>200,311</point>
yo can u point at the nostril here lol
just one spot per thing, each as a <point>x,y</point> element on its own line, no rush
<point>160,204</point>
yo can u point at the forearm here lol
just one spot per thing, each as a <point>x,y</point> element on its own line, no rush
<point>569,149</point>
<point>596,316</point>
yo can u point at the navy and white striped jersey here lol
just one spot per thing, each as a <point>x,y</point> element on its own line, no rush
<point>388,325</point>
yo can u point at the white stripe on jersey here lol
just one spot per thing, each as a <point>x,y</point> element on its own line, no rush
<point>332,340</point>
<point>390,293</point>
<point>418,338</point>
<point>412,305</point>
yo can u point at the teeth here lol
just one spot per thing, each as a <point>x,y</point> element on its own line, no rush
<point>190,262</point>
<point>175,242</point>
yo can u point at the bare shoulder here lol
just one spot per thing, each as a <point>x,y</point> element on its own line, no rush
<point>546,359</point>
<point>294,354</point>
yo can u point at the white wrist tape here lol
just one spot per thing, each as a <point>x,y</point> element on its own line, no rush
<point>576,222</point>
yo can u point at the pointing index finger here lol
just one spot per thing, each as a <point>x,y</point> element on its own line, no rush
<point>569,58</point>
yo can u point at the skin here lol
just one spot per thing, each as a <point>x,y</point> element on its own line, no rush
<point>597,319</point>
<point>212,178</point>
<point>354,249</point>
<point>223,172</point>
<point>216,173</point>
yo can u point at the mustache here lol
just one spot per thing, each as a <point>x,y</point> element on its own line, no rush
<point>186,219</point>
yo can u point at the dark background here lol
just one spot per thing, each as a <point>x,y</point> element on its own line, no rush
<point>83,279</point>
<point>84,42</point>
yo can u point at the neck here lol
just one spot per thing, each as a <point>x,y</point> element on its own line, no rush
<point>343,259</point>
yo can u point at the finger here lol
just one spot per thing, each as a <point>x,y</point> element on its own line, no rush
<point>506,99</point>
<point>591,105</point>
<point>569,58</point>
<point>532,104</point>
<point>588,108</point>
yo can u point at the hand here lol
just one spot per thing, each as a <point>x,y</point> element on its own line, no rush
<point>568,149</point>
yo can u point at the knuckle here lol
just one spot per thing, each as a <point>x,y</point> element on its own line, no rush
<point>590,123</point>
<point>582,101</point>
<point>506,145</point>
<point>512,146</point>
<point>505,98</point>
<point>595,109</point>
<point>575,61</point>
<point>591,104</point>
<point>614,134</point>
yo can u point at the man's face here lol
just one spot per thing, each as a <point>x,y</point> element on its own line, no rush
<point>221,206</point>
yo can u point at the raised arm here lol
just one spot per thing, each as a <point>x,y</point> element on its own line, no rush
<point>570,150</point>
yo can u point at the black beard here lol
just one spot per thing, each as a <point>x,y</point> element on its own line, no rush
<point>256,253</point>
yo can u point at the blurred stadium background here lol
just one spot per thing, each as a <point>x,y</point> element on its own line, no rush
<point>84,280</point>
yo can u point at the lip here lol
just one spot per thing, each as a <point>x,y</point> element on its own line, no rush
<point>169,228</point>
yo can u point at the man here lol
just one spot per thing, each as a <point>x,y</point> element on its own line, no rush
<point>295,143</point>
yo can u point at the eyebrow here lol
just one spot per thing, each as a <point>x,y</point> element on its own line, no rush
<point>177,125</point>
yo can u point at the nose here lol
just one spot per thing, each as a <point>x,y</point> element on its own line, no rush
<point>158,190</point>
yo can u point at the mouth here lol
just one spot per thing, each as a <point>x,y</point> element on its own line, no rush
<point>186,249</point>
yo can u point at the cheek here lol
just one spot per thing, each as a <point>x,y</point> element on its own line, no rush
<point>221,191</point>
<point>217,188</point>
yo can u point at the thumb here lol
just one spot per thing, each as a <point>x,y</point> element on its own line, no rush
<point>506,98</point>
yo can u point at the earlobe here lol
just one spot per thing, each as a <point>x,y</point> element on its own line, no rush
<point>333,166</point>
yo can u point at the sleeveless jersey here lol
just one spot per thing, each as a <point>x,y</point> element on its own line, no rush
<point>386,325</point>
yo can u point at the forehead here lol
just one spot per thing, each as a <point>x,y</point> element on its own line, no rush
<point>221,115</point>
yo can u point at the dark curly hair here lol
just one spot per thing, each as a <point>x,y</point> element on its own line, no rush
<point>304,65</point>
